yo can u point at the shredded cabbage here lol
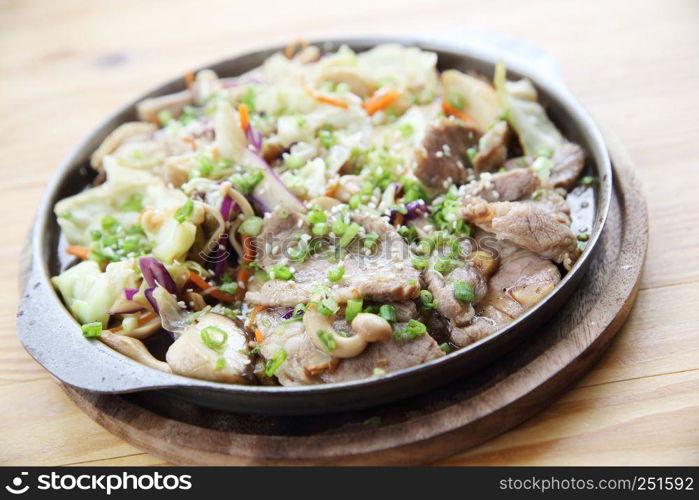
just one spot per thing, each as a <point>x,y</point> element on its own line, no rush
<point>518,99</point>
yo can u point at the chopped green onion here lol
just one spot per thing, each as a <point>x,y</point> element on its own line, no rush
<point>109,224</point>
<point>280,272</point>
<point>164,117</point>
<point>246,183</point>
<point>133,204</point>
<point>220,363</point>
<point>354,307</point>
<point>291,161</point>
<point>464,291</point>
<point>355,200</point>
<point>388,312</point>
<point>445,348</point>
<point>339,226</point>
<point>406,129</point>
<point>252,226</point>
<point>327,339</point>
<point>546,152</point>
<point>213,337</point>
<point>419,262</point>
<point>184,211</point>
<point>472,152</point>
<point>589,180</point>
<point>445,265</point>
<point>230,288</point>
<point>315,215</point>
<point>349,235</point>
<point>378,372</point>
<point>299,253</point>
<point>92,330</point>
<point>327,138</point>
<point>275,362</point>
<point>370,240</point>
<point>320,228</point>
<point>327,307</point>
<point>583,237</point>
<point>336,273</point>
<point>413,330</point>
<point>457,101</point>
<point>427,299</point>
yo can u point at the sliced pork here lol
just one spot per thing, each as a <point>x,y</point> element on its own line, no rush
<point>442,158</point>
<point>530,225</point>
<point>386,274</point>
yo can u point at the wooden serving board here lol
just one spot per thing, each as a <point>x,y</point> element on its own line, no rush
<point>426,427</point>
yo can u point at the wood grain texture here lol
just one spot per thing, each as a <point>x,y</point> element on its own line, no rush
<point>66,65</point>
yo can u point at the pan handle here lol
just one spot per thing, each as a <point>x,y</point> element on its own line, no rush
<point>54,339</point>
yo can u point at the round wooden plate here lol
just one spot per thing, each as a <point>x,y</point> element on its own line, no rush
<point>427,427</point>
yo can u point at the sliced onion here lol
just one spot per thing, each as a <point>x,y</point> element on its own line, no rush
<point>228,205</point>
<point>172,316</point>
<point>130,292</point>
<point>153,303</point>
<point>414,209</point>
<point>123,305</point>
<point>154,272</point>
<point>271,192</point>
<point>254,138</point>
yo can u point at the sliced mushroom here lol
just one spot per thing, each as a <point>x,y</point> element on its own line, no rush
<point>344,347</point>
<point>134,349</point>
<point>214,226</point>
<point>223,359</point>
<point>148,109</point>
<point>321,332</point>
<point>117,138</point>
<point>372,328</point>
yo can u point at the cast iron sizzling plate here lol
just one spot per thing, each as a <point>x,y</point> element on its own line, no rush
<point>52,337</point>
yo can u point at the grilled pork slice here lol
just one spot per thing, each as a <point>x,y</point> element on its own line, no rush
<point>385,275</point>
<point>441,284</point>
<point>529,224</point>
<point>306,364</point>
<point>521,281</point>
<point>441,159</point>
<point>513,185</point>
<point>492,148</point>
<point>568,162</point>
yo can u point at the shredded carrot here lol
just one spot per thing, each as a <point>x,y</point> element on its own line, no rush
<point>248,248</point>
<point>399,220</point>
<point>244,117</point>
<point>242,279</point>
<point>147,318</point>
<point>451,110</point>
<point>198,280</point>
<point>214,292</point>
<point>189,79</point>
<point>222,296</point>
<point>253,313</point>
<point>326,100</point>
<point>80,252</point>
<point>258,335</point>
<point>381,99</point>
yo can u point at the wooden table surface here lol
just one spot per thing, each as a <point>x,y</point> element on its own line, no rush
<point>634,64</point>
